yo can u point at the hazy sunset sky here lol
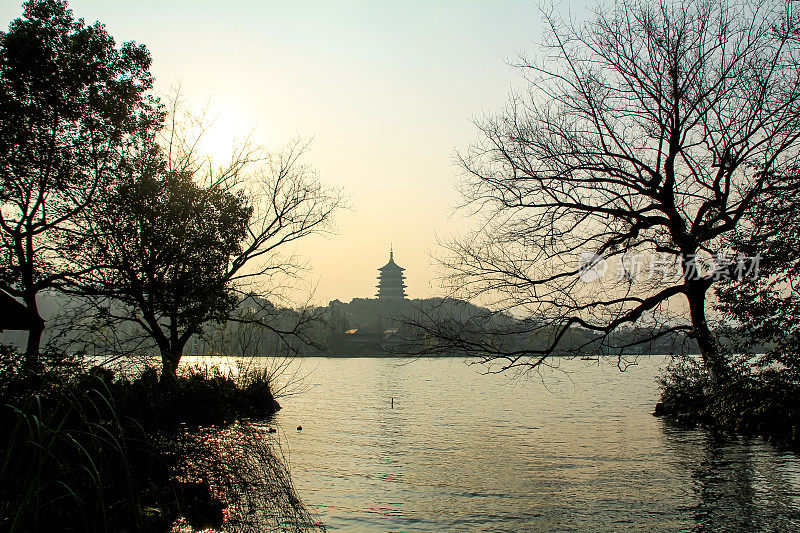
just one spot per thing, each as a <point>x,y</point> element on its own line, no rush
<point>387,90</point>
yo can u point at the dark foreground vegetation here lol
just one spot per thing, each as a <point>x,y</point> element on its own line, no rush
<point>752,401</point>
<point>84,450</point>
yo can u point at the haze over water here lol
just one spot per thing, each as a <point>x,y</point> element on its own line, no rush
<point>570,449</point>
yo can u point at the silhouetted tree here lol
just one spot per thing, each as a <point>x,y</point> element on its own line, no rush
<point>68,100</point>
<point>645,138</point>
<point>163,253</point>
<point>179,243</point>
<point>766,308</point>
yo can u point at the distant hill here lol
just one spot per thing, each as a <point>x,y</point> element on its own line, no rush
<point>373,326</point>
<point>361,327</point>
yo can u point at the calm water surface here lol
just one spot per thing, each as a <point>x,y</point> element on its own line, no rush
<point>572,448</point>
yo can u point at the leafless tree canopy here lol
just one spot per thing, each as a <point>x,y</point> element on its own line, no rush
<point>646,135</point>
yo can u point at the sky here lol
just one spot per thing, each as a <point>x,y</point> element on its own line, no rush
<point>387,91</point>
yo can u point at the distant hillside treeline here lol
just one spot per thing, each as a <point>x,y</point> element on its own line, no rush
<point>361,327</point>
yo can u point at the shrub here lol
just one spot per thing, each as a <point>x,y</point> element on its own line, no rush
<point>199,397</point>
<point>752,400</point>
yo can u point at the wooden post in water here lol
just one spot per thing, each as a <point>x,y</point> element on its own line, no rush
<point>392,403</point>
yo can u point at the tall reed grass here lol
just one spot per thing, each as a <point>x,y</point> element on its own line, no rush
<point>82,451</point>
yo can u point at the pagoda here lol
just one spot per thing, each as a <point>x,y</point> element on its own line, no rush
<point>390,282</point>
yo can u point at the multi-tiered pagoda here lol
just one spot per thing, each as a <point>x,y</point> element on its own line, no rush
<point>391,284</point>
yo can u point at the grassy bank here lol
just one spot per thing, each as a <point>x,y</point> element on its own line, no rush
<point>84,450</point>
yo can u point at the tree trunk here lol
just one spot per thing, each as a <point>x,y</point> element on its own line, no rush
<point>713,356</point>
<point>169,365</point>
<point>31,361</point>
<point>171,354</point>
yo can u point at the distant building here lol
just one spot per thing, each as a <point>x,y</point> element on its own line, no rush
<point>361,342</point>
<point>391,284</point>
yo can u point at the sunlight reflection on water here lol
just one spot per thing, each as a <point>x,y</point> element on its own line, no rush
<point>570,449</point>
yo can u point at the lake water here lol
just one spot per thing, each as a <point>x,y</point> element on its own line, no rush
<point>571,448</point>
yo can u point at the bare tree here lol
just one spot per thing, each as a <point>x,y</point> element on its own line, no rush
<point>644,139</point>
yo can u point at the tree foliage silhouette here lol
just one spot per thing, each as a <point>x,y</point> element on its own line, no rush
<point>162,252</point>
<point>178,243</point>
<point>766,309</point>
<point>69,99</point>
